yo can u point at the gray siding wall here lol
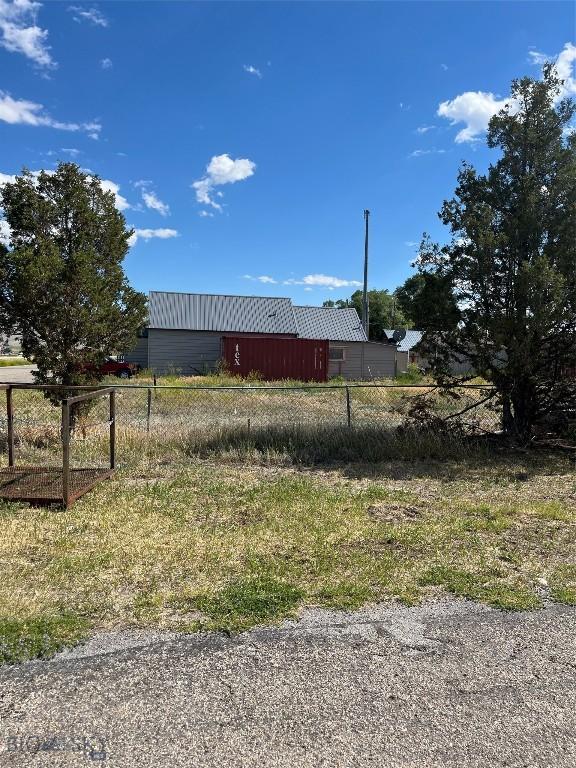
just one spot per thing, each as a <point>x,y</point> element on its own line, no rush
<point>401,362</point>
<point>460,367</point>
<point>187,352</point>
<point>364,360</point>
<point>196,352</point>
<point>139,354</point>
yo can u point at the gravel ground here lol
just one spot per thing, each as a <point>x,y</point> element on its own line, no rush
<point>445,684</point>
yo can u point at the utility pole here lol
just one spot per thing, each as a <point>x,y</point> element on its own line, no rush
<point>365,309</point>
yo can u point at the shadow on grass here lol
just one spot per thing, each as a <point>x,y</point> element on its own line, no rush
<point>370,450</point>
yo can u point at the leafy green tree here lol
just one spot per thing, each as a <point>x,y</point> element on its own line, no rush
<point>427,301</point>
<point>385,311</point>
<point>62,286</point>
<point>511,262</point>
<point>406,294</point>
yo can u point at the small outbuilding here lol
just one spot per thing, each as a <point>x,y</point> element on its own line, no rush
<point>408,352</point>
<point>187,334</point>
<point>407,349</point>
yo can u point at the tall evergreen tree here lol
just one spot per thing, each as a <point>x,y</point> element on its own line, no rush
<point>62,285</point>
<point>510,267</point>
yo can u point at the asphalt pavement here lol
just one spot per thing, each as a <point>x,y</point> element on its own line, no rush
<point>448,684</point>
<point>16,374</point>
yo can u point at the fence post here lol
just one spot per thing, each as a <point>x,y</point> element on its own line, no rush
<point>10,425</point>
<point>113,429</point>
<point>66,452</point>
<point>148,410</point>
<point>348,407</point>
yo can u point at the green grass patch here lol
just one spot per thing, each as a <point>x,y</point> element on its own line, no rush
<point>38,637</point>
<point>245,602</point>
<point>553,510</point>
<point>345,595</point>
<point>6,362</point>
<point>474,586</point>
<point>483,517</point>
<point>563,584</point>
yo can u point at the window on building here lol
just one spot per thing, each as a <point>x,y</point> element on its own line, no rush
<point>337,354</point>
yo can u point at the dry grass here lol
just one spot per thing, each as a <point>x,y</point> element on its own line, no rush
<point>184,542</point>
<point>217,521</point>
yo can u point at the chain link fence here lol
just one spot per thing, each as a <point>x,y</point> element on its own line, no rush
<point>160,417</point>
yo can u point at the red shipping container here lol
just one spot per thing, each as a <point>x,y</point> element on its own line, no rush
<point>275,358</point>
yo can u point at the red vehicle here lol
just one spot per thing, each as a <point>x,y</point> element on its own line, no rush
<point>119,368</point>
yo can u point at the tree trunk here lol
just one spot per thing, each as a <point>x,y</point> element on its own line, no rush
<point>507,417</point>
<point>523,412</point>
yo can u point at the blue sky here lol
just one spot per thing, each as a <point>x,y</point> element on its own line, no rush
<point>244,140</point>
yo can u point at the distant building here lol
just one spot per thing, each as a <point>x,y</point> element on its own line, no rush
<point>10,345</point>
<point>186,333</point>
<point>407,351</point>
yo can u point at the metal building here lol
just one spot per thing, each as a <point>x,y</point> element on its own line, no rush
<point>186,330</point>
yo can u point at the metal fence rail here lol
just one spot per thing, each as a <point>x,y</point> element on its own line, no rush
<point>56,449</point>
<point>162,414</point>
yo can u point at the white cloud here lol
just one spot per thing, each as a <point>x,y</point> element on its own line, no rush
<point>148,234</point>
<point>151,200</point>
<point>155,204</point>
<point>261,278</point>
<point>425,128</point>
<point>565,69</point>
<point>20,33</point>
<point>421,152</point>
<point>308,281</point>
<point>323,281</point>
<point>564,66</point>
<point>221,169</point>
<point>6,178</point>
<point>92,129</point>
<point>106,63</point>
<point>205,214</point>
<point>4,232</point>
<point>110,186</point>
<point>70,151</point>
<point>538,58</point>
<point>475,108</point>
<point>252,70</point>
<point>23,112</point>
<point>411,243</point>
<point>91,15</point>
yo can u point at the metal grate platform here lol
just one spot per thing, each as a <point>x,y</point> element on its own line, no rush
<point>44,485</point>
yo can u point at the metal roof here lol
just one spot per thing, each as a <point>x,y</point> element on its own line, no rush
<point>329,323</point>
<point>251,314</point>
<point>232,314</point>
<point>410,340</point>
